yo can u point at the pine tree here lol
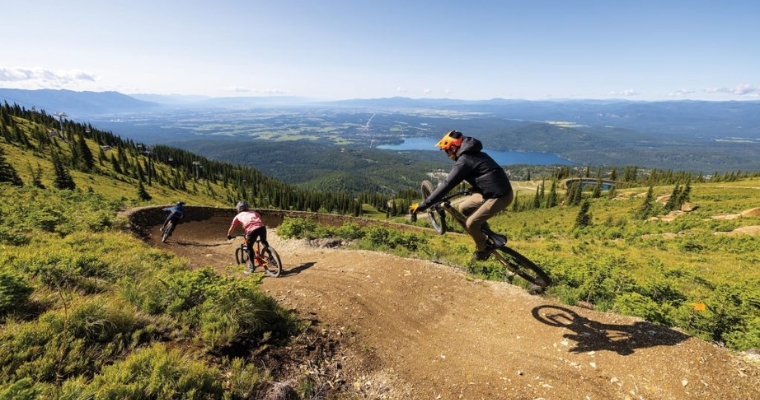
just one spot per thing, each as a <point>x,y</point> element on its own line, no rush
<point>7,172</point>
<point>672,202</point>
<point>647,207</point>
<point>86,158</point>
<point>142,194</point>
<point>583,219</point>
<point>63,179</point>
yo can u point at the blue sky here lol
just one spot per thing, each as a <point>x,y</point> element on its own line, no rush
<point>342,49</point>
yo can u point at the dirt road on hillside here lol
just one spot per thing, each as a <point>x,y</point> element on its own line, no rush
<point>413,329</point>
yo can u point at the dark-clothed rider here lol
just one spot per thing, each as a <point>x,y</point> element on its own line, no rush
<point>491,189</point>
<point>176,213</point>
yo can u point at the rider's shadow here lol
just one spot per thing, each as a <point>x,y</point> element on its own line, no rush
<point>590,335</point>
<point>298,269</point>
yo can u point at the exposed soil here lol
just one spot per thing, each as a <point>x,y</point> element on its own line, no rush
<point>414,329</point>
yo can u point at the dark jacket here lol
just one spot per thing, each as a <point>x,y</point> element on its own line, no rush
<point>476,168</point>
<point>177,212</point>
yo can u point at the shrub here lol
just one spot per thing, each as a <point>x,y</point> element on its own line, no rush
<point>14,292</point>
<point>153,373</point>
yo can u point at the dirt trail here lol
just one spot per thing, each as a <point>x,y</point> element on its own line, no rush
<point>413,329</point>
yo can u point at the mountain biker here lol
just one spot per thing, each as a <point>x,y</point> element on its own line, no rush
<point>254,228</point>
<point>176,213</point>
<point>491,188</point>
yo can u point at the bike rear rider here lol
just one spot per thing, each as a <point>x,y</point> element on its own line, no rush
<point>176,213</point>
<point>253,227</point>
<point>491,189</point>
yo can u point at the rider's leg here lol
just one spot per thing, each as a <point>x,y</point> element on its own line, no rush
<point>480,216</point>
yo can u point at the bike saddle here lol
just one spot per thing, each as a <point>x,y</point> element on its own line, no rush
<point>498,240</point>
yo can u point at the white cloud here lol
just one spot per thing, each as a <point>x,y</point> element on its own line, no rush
<point>741,89</point>
<point>627,92</point>
<point>427,91</point>
<point>44,77</point>
<point>240,89</point>
<point>680,93</point>
<point>400,90</point>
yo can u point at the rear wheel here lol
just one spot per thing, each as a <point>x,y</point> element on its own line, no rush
<point>167,231</point>
<point>273,265</point>
<point>437,216</point>
<point>522,267</point>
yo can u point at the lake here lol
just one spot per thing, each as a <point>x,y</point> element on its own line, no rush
<point>501,157</point>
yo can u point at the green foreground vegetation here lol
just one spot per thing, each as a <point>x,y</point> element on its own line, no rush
<point>89,311</point>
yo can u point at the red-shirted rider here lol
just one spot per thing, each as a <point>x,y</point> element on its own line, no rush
<point>253,226</point>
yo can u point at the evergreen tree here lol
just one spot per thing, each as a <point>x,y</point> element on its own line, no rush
<point>583,219</point>
<point>537,198</point>
<point>672,202</point>
<point>552,200</point>
<point>7,172</point>
<point>142,194</point>
<point>63,179</point>
<point>684,196</point>
<point>597,193</point>
<point>86,159</point>
<point>647,207</point>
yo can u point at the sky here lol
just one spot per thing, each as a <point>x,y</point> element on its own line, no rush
<point>360,49</point>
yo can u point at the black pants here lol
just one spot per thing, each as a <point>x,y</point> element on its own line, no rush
<point>250,238</point>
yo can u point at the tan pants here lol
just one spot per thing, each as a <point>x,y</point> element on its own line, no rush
<point>478,211</point>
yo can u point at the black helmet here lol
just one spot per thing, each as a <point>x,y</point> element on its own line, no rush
<point>180,203</point>
<point>241,206</point>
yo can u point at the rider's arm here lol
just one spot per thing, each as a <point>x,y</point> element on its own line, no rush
<point>458,174</point>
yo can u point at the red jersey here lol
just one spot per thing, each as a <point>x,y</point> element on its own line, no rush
<point>249,220</point>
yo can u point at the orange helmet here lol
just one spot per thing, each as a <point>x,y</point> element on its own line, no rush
<point>451,138</point>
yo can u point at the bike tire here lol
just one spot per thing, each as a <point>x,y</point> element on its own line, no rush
<point>522,267</point>
<point>273,264</point>
<point>241,254</point>
<point>167,231</point>
<point>437,216</point>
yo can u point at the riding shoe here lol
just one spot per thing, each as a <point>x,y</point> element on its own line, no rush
<point>479,255</point>
<point>248,268</point>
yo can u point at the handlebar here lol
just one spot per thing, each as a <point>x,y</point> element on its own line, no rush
<point>448,197</point>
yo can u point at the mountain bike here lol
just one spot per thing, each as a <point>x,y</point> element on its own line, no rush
<point>515,262</point>
<point>265,257</point>
<point>167,231</point>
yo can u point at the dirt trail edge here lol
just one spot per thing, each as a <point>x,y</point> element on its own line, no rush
<point>413,329</point>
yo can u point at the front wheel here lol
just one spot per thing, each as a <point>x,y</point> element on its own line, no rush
<point>272,264</point>
<point>522,267</point>
<point>241,254</point>
<point>167,231</point>
<point>437,216</point>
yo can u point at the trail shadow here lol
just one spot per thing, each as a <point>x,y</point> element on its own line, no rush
<point>591,335</point>
<point>297,270</point>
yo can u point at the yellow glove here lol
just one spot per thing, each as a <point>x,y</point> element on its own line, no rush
<point>413,208</point>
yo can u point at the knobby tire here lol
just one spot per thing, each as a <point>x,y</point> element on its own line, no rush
<point>241,254</point>
<point>167,231</point>
<point>522,266</point>
<point>273,264</point>
<point>437,216</point>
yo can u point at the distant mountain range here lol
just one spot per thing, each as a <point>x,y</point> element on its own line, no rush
<point>704,119</point>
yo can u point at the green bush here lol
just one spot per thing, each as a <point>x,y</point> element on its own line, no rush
<point>152,373</point>
<point>14,292</point>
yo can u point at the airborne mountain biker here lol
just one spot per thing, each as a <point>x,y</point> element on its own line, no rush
<point>491,189</point>
<point>253,227</point>
<point>176,213</point>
